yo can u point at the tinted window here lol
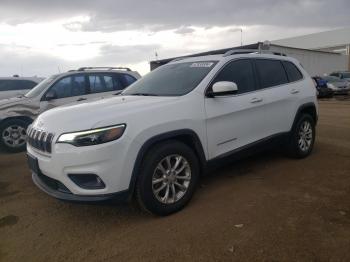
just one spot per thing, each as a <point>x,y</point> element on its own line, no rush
<point>172,79</point>
<point>39,88</point>
<point>70,86</point>
<point>127,80</point>
<point>271,73</point>
<point>240,72</point>
<point>104,83</point>
<point>12,85</point>
<point>293,72</point>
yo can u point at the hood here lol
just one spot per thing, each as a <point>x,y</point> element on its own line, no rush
<point>104,112</point>
<point>16,106</point>
<point>13,100</point>
<point>339,84</point>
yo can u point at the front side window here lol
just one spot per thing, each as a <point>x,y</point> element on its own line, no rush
<point>240,72</point>
<point>69,86</point>
<point>172,79</point>
<point>39,88</point>
<point>293,72</point>
<point>271,73</point>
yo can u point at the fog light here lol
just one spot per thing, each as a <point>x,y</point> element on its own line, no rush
<point>87,181</point>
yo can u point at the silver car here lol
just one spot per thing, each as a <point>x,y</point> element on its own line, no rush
<point>74,86</point>
<point>15,86</point>
<point>338,86</point>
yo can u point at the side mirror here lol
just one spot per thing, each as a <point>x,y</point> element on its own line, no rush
<point>223,88</point>
<point>50,95</point>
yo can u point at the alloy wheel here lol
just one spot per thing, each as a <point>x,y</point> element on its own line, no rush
<point>171,179</point>
<point>305,136</point>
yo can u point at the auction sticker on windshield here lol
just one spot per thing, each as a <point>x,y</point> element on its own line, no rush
<point>202,64</point>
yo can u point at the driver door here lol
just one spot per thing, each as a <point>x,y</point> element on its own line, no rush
<point>234,121</point>
<point>70,89</point>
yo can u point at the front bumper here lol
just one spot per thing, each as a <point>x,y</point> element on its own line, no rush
<point>111,162</point>
<point>341,91</point>
<point>57,190</point>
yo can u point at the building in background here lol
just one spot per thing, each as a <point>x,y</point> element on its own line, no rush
<point>333,41</point>
<point>319,53</point>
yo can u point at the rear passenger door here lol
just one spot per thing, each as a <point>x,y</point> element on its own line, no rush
<point>278,96</point>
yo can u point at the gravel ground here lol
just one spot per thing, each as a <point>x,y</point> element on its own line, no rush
<point>264,208</point>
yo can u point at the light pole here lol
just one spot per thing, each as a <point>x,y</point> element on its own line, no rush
<point>241,37</point>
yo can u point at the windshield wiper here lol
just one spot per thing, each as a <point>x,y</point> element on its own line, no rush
<point>142,94</point>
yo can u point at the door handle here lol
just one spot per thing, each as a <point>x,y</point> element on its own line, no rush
<point>294,91</point>
<point>256,100</point>
<point>81,99</point>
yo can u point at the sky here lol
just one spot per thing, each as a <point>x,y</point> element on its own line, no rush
<point>40,37</point>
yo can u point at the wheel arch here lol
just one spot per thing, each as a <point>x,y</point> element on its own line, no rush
<point>186,136</point>
<point>23,118</point>
<point>307,108</point>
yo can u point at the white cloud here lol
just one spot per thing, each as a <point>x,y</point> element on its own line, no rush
<point>39,36</point>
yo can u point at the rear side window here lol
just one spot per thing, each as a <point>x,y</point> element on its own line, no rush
<point>271,73</point>
<point>293,72</point>
<point>12,85</point>
<point>240,72</point>
<point>104,83</point>
<point>127,80</point>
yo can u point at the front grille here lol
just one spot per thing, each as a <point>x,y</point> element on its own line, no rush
<point>39,139</point>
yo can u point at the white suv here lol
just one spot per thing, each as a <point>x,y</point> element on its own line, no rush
<point>156,138</point>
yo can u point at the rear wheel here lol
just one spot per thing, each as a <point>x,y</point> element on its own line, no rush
<point>168,178</point>
<point>13,135</point>
<point>302,137</point>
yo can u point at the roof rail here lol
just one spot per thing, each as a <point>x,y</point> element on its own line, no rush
<point>103,67</point>
<point>179,58</point>
<point>251,51</point>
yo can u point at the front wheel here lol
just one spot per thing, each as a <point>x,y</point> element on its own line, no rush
<point>168,178</point>
<point>13,135</point>
<point>302,137</point>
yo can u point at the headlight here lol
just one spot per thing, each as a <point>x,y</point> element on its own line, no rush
<point>93,137</point>
<point>331,86</point>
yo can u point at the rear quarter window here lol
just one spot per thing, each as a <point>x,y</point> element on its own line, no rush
<point>127,80</point>
<point>293,72</point>
<point>270,72</point>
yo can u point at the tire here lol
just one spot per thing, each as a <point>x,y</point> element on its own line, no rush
<point>153,178</point>
<point>302,138</point>
<point>13,135</point>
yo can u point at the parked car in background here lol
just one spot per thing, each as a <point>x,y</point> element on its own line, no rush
<point>74,86</point>
<point>15,86</point>
<point>323,91</point>
<point>339,86</point>
<point>342,75</point>
<point>155,139</point>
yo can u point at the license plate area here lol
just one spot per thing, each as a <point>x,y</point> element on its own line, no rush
<point>33,164</point>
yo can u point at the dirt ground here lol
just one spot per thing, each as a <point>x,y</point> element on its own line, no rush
<point>264,208</point>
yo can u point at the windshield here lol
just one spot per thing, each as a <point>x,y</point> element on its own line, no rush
<point>346,75</point>
<point>171,80</point>
<point>39,88</point>
<point>333,79</point>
